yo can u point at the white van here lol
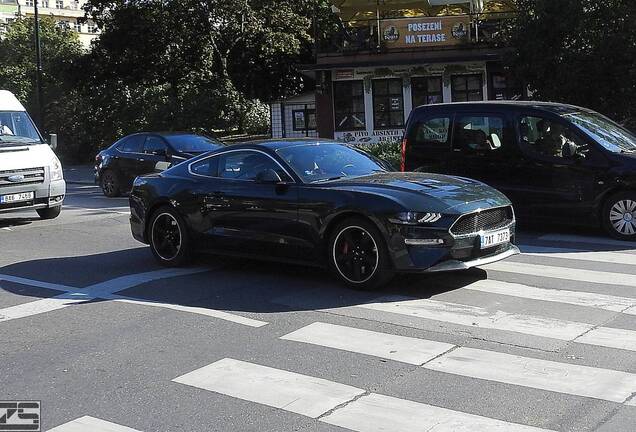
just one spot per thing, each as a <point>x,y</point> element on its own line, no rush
<point>30,174</point>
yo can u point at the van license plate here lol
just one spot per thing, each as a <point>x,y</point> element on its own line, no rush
<point>495,238</point>
<point>19,197</point>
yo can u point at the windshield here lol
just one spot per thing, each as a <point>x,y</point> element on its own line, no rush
<point>604,131</point>
<point>322,162</point>
<point>193,143</point>
<point>16,127</point>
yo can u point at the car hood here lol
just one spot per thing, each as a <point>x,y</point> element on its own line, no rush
<point>428,192</point>
<point>25,157</point>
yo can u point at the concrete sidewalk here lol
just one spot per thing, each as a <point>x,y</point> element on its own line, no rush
<point>80,174</point>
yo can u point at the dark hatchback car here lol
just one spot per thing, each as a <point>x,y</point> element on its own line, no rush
<point>320,203</point>
<point>145,153</point>
<point>556,163</point>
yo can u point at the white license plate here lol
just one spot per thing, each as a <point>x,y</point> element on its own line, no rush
<point>495,238</point>
<point>19,197</point>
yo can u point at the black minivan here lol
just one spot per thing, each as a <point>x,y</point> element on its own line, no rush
<point>557,163</point>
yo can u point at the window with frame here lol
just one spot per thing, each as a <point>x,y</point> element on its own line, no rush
<point>45,3</point>
<point>349,105</point>
<point>59,4</point>
<point>77,26</point>
<point>92,28</point>
<point>133,144</point>
<point>505,88</point>
<point>155,145</point>
<point>427,90</point>
<point>304,120</point>
<point>30,3</point>
<point>388,103</point>
<point>245,165</point>
<point>206,167</point>
<point>547,137</point>
<point>433,132</point>
<point>478,133</point>
<point>467,88</point>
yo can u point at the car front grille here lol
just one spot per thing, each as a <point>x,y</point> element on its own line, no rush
<point>21,177</point>
<point>485,220</point>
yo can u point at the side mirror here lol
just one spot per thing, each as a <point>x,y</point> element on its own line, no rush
<point>53,141</point>
<point>268,176</point>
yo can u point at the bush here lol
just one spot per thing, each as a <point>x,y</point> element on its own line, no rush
<point>255,117</point>
<point>389,151</point>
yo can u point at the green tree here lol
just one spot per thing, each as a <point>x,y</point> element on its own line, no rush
<point>578,51</point>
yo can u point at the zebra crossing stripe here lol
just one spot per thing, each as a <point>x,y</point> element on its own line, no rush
<point>579,275</point>
<point>610,338</point>
<point>475,316</point>
<point>580,255</point>
<point>585,381</point>
<point>393,347</point>
<point>92,424</point>
<point>559,238</point>
<point>578,298</point>
<point>300,394</point>
<point>334,403</point>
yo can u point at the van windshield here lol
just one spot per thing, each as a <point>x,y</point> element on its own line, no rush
<point>16,127</point>
<point>604,131</point>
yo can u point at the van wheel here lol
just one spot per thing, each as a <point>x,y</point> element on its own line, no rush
<point>619,216</point>
<point>168,237</point>
<point>110,184</point>
<point>358,255</point>
<point>50,212</point>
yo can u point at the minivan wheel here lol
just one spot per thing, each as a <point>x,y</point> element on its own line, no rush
<point>110,184</point>
<point>49,212</point>
<point>168,238</point>
<point>619,216</point>
<point>358,255</point>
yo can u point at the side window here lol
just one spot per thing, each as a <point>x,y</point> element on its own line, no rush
<point>246,165</point>
<point>434,132</point>
<point>154,145</point>
<point>478,133</point>
<point>206,167</point>
<point>546,137</point>
<point>133,144</point>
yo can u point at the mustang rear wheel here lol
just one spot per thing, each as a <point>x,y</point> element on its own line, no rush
<point>358,255</point>
<point>168,238</point>
<point>619,215</point>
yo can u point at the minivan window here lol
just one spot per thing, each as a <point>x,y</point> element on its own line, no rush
<point>433,132</point>
<point>546,137</point>
<point>17,127</point>
<point>604,131</point>
<point>478,133</point>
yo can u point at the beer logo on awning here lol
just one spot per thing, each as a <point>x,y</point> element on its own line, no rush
<point>391,33</point>
<point>459,31</point>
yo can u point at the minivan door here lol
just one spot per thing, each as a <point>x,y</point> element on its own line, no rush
<point>427,143</point>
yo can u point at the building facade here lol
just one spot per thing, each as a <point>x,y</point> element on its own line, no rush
<point>392,56</point>
<point>67,13</point>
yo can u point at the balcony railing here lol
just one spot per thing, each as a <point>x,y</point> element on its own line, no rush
<point>375,35</point>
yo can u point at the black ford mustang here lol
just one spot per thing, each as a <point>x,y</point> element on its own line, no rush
<point>322,203</point>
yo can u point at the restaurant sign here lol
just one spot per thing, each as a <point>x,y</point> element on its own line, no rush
<point>422,32</point>
<point>370,137</point>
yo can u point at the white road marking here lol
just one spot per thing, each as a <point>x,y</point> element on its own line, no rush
<point>578,298</point>
<point>605,384</point>
<point>559,238</point>
<point>631,402</point>
<point>300,394</point>
<point>475,316</point>
<point>581,255</point>
<point>106,290</point>
<point>579,275</point>
<point>115,210</point>
<point>91,424</point>
<point>195,310</point>
<point>610,338</point>
<point>393,347</point>
<point>379,413</point>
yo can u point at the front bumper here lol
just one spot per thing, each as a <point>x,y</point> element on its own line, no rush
<point>47,194</point>
<point>454,265</point>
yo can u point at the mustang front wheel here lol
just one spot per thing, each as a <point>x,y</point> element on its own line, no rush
<point>168,238</point>
<point>358,255</point>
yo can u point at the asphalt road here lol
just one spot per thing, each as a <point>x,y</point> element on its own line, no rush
<point>108,341</point>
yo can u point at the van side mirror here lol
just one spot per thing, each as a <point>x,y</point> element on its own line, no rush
<point>268,176</point>
<point>53,141</point>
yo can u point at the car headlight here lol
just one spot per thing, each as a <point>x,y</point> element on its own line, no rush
<point>415,218</point>
<point>56,169</point>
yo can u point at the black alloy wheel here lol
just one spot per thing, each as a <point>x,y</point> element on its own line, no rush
<point>358,255</point>
<point>619,216</point>
<point>110,184</point>
<point>168,238</point>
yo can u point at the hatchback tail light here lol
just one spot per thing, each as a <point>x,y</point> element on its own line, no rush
<point>405,142</point>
